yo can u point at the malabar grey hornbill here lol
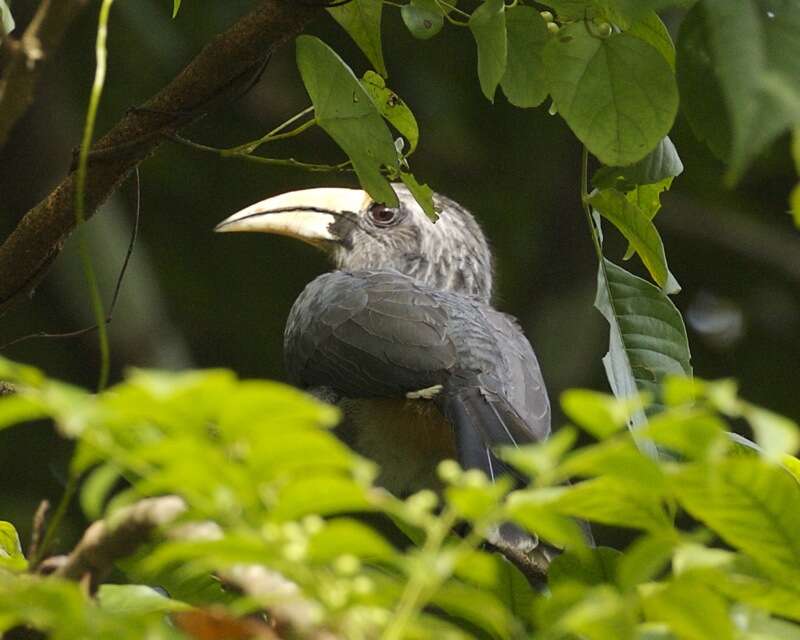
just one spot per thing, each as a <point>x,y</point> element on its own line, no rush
<point>402,334</point>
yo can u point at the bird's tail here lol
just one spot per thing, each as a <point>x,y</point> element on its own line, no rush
<point>482,422</point>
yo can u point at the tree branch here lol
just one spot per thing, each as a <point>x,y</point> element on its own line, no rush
<point>104,543</point>
<point>214,75</point>
<point>25,58</point>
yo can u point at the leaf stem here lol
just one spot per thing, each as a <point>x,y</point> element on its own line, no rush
<point>422,578</point>
<point>283,162</point>
<point>80,193</point>
<point>275,134</point>
<point>58,515</point>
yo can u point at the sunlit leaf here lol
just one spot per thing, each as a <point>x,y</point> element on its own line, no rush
<point>136,598</point>
<point>691,610</point>
<point>11,556</point>
<point>753,505</point>
<point>615,501</point>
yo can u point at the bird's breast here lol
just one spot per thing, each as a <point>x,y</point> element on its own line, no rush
<point>406,438</point>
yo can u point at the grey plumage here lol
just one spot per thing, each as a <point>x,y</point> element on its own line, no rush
<point>408,308</point>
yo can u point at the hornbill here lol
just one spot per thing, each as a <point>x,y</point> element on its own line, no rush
<point>402,335</point>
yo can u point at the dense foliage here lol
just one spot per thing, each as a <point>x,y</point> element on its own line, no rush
<point>269,525</point>
<point>714,549</point>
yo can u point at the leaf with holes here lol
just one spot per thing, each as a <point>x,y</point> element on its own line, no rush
<point>392,107</point>
<point>423,18</point>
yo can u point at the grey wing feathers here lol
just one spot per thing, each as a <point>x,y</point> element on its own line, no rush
<point>371,335</point>
<point>382,334</point>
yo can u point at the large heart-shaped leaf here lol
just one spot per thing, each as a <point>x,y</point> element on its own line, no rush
<point>617,94</point>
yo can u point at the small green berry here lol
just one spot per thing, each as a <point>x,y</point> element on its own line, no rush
<point>604,29</point>
<point>449,470</point>
<point>547,16</point>
<point>552,27</point>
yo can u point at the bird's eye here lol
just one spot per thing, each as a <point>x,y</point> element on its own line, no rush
<point>381,215</point>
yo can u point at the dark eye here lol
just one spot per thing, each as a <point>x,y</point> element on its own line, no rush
<point>382,215</point>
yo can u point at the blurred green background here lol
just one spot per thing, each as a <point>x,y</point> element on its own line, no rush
<point>194,299</point>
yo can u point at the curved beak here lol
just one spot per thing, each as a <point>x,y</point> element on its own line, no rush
<point>309,215</point>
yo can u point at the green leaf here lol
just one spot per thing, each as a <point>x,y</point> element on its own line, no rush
<point>701,94</point>
<point>754,44</point>
<point>97,488</point>
<point>479,607</point>
<point>617,94</point>
<point>347,113</point>
<point>6,20</point>
<point>644,559</point>
<point>598,413</point>
<point>652,30</point>
<point>11,556</point>
<point>18,408</point>
<point>392,107</point>
<point>137,599</point>
<point>776,435</point>
<point>541,458</point>
<point>423,18</point>
<point>661,163</point>
<point>637,228</point>
<point>615,501</point>
<point>362,20</point>
<point>176,6</point>
<point>595,567</point>
<point>690,609</point>
<point>320,494</point>
<point>524,81</point>
<point>692,433</point>
<point>343,535</point>
<point>647,335</point>
<point>488,26</point>
<point>422,193</point>
<point>751,504</point>
<point>599,613</point>
<point>617,457</point>
<point>535,509</point>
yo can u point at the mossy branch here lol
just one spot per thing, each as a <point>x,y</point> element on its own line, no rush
<point>217,72</point>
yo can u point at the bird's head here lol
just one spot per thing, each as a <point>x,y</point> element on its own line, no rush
<point>361,234</point>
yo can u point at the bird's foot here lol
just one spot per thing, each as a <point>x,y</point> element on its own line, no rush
<point>429,393</point>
